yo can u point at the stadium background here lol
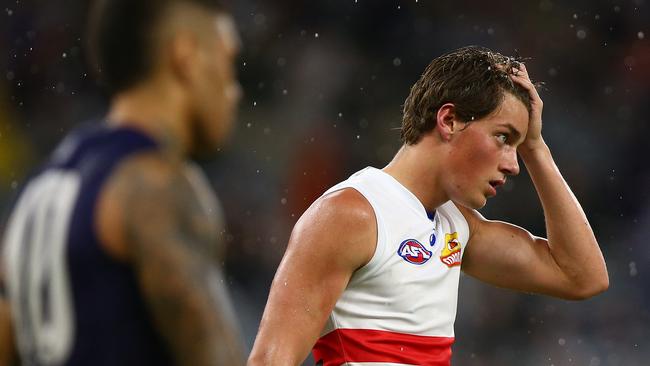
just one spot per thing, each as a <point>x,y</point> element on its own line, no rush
<point>324,83</point>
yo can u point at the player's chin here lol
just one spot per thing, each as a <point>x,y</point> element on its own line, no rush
<point>479,201</point>
<point>474,202</point>
<point>478,204</point>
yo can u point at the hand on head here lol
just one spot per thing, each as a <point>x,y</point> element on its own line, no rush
<point>534,136</point>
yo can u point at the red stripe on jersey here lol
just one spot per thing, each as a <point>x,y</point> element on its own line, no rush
<point>366,345</point>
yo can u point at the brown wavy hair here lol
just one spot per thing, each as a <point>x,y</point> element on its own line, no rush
<point>474,79</point>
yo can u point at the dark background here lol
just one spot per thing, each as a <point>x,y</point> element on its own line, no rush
<point>324,83</point>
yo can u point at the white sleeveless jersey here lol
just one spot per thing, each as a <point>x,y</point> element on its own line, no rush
<point>399,309</point>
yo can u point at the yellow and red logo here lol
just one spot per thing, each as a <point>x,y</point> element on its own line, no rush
<point>451,253</point>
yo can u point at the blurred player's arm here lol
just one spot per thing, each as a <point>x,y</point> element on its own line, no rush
<point>569,264</point>
<point>335,236</point>
<point>149,215</point>
<point>8,353</point>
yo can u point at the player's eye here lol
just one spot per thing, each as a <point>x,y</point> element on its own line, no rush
<point>502,138</point>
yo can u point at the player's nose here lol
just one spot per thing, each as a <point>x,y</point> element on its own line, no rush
<point>510,164</point>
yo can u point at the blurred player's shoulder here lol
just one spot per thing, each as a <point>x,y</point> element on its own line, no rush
<point>152,187</point>
<point>142,175</point>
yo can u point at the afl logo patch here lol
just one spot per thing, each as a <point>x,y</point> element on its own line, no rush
<point>413,252</point>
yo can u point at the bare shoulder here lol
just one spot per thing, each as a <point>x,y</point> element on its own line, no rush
<point>486,230</point>
<point>474,218</point>
<point>343,222</point>
<point>348,204</point>
<point>146,193</point>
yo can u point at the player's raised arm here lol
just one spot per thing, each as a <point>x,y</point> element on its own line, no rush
<point>569,264</point>
<point>336,236</point>
<point>150,215</point>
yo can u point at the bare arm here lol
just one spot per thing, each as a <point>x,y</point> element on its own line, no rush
<point>334,237</point>
<point>150,216</point>
<point>569,264</point>
<point>8,353</point>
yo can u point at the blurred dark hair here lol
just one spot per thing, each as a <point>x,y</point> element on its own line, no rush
<point>473,78</point>
<point>121,39</point>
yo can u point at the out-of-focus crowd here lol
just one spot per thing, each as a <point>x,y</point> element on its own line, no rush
<point>324,83</point>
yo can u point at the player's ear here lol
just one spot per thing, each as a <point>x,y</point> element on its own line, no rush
<point>447,122</point>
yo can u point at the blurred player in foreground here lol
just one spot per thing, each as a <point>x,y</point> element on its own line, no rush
<point>371,271</point>
<point>110,252</point>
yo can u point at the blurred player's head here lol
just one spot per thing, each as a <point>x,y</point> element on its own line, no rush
<point>474,79</point>
<point>191,44</point>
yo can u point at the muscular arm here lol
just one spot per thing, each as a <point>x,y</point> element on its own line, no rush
<point>569,264</point>
<point>150,216</point>
<point>334,237</point>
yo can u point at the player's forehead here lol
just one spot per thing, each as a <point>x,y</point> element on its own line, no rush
<point>512,111</point>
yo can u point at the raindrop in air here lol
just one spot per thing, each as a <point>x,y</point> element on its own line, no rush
<point>633,270</point>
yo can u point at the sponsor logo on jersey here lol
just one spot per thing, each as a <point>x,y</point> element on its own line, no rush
<point>413,252</point>
<point>450,254</point>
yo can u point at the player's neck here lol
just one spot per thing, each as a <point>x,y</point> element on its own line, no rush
<point>417,170</point>
<point>157,112</point>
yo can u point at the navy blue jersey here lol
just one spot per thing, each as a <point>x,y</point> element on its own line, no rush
<point>72,303</point>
